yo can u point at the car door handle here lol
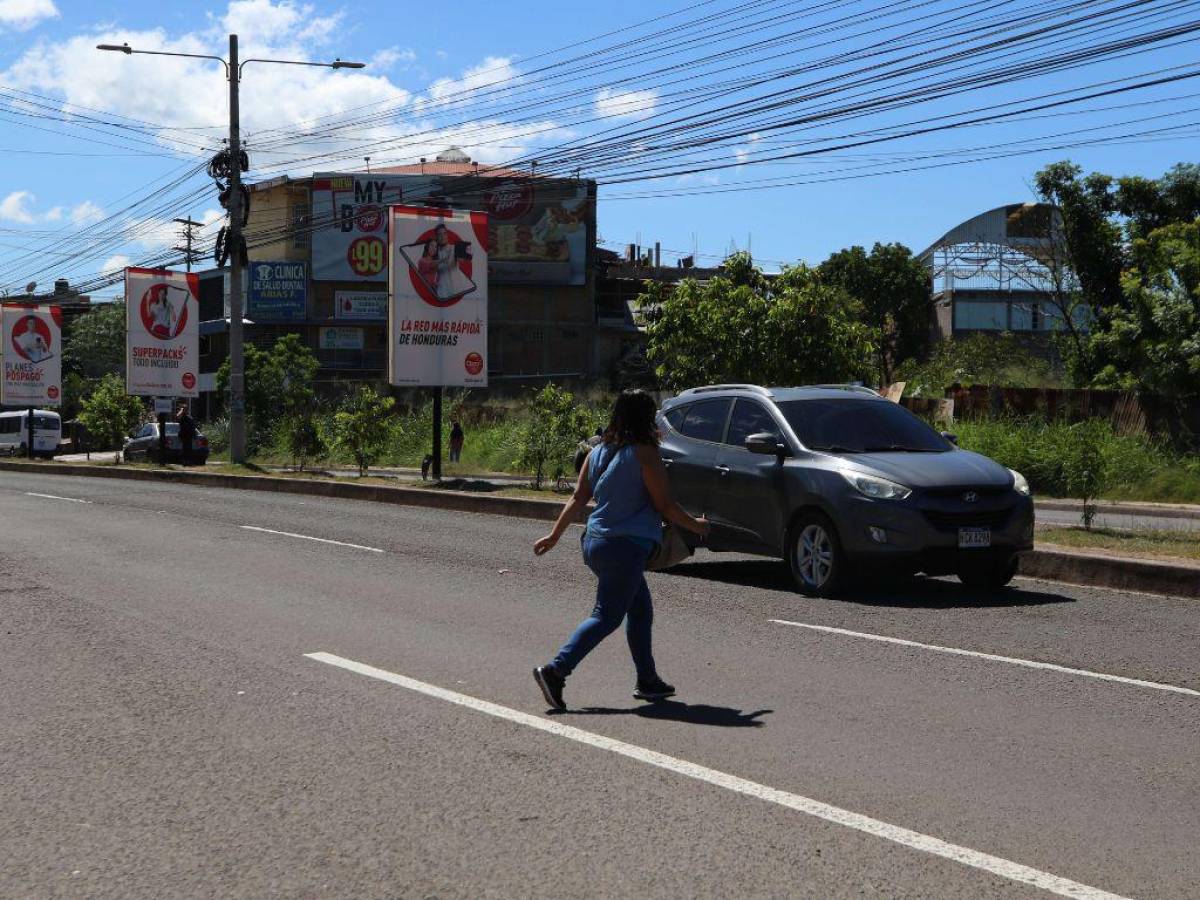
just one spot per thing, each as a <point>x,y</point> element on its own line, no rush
<point>667,462</point>
<point>724,470</point>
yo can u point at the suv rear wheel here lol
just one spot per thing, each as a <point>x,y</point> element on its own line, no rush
<point>990,575</point>
<point>815,556</point>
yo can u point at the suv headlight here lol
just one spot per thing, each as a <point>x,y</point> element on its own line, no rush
<point>876,488</point>
<point>1020,485</point>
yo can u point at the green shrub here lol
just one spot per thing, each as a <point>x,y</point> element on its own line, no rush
<point>1052,454</point>
<point>362,427</point>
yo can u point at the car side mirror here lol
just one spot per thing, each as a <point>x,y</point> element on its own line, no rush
<point>951,437</point>
<point>766,444</point>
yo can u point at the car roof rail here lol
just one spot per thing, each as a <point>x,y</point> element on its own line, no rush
<point>709,388</point>
<point>855,388</point>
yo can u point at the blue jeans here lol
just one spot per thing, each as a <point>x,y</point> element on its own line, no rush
<point>622,593</point>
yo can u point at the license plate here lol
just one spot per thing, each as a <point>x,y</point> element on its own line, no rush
<point>974,537</point>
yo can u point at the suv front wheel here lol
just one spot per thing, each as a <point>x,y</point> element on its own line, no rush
<point>814,554</point>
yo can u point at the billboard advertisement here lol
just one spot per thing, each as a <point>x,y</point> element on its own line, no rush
<point>162,344</point>
<point>437,331</point>
<point>278,292</point>
<point>539,228</point>
<point>360,305</point>
<point>32,355</point>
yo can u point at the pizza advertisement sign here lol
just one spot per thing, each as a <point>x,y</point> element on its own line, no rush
<point>438,287</point>
<point>32,355</point>
<point>162,351</point>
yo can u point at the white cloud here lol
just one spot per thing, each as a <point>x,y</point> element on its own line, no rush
<point>744,153</point>
<point>24,14</point>
<point>391,57</point>
<point>626,104</point>
<point>115,263</point>
<point>258,20</point>
<point>15,208</point>
<point>85,213</point>
<point>493,71</point>
<point>19,206</point>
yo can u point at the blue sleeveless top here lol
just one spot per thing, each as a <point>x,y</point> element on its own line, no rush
<point>623,505</point>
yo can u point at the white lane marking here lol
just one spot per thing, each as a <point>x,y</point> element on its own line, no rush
<point>56,497</point>
<point>1012,660</point>
<point>984,861</point>
<point>309,537</point>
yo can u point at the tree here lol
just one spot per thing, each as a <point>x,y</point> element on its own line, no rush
<point>362,426</point>
<point>278,385</point>
<point>94,343</point>
<point>989,359</point>
<point>109,414</point>
<point>892,287</point>
<point>547,438</point>
<point>745,327</point>
<point>1132,245</point>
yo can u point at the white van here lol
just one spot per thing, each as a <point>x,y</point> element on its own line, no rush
<point>14,432</point>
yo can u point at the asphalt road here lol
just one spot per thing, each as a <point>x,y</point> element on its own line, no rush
<point>167,736</point>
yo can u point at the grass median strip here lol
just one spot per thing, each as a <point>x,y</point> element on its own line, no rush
<point>1157,544</point>
<point>985,862</point>
<point>1011,660</point>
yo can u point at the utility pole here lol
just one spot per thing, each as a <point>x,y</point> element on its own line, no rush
<point>237,370</point>
<point>188,238</point>
<point>237,363</point>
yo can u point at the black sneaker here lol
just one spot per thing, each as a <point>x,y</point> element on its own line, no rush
<point>551,684</point>
<point>654,689</point>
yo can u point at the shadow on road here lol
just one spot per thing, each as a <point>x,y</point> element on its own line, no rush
<point>677,711</point>
<point>915,593</point>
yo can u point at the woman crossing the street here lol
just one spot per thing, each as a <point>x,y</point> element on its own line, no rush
<point>627,479</point>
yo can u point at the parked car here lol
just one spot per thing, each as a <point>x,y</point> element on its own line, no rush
<point>837,481</point>
<point>144,445</point>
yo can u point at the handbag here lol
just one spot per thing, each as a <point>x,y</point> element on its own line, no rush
<point>671,552</point>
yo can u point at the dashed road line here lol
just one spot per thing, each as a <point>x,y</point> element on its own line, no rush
<point>1011,660</point>
<point>56,497</point>
<point>309,537</point>
<point>976,859</point>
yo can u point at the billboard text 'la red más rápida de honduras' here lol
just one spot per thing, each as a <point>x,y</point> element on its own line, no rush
<point>162,351</point>
<point>439,296</point>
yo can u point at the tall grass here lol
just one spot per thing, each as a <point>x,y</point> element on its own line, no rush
<point>1136,467</point>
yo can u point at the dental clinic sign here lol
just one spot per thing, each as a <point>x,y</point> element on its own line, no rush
<point>278,292</point>
<point>162,351</point>
<point>32,355</point>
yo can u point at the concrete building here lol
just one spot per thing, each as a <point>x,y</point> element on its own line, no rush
<point>1004,270</point>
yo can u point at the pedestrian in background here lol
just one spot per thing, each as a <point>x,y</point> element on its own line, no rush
<point>628,480</point>
<point>457,438</point>
<point>187,434</point>
<point>585,447</point>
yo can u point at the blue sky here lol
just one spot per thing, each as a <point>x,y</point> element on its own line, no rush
<point>63,213</point>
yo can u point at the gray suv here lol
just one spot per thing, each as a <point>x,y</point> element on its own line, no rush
<point>837,480</point>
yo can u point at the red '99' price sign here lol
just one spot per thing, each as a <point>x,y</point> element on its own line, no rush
<point>367,255</point>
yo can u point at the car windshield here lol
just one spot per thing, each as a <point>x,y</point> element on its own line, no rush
<point>45,423</point>
<point>860,426</point>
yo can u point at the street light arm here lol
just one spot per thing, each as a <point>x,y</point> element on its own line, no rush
<point>127,50</point>
<point>336,64</point>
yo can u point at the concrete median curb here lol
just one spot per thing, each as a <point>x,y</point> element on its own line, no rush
<point>1048,562</point>
<point>461,501</point>
<point>1054,563</point>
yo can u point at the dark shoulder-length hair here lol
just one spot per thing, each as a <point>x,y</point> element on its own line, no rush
<point>632,420</point>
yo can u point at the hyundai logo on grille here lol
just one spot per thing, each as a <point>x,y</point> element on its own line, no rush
<point>970,496</point>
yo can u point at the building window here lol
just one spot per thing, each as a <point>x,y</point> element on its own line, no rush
<point>985,316</point>
<point>300,226</point>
